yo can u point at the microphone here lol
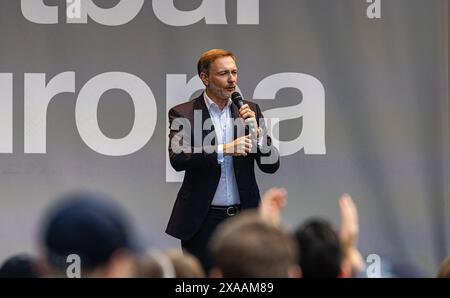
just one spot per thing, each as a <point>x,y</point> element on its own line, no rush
<point>236,98</point>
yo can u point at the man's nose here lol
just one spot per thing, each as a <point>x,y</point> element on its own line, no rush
<point>232,78</point>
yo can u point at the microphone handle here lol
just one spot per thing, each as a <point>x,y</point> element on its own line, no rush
<point>253,134</point>
<point>251,127</point>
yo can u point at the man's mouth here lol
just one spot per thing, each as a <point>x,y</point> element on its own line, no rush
<point>230,88</point>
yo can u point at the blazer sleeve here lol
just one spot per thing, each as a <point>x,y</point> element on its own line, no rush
<point>183,154</point>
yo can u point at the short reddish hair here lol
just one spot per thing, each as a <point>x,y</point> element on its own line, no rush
<point>210,56</point>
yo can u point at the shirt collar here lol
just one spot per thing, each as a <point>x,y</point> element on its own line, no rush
<point>209,102</point>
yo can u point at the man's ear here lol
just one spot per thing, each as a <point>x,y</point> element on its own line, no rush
<point>215,273</point>
<point>204,78</point>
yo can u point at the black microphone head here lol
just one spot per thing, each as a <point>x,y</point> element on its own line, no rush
<point>237,99</point>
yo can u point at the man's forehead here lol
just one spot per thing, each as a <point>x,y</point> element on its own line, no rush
<point>224,63</point>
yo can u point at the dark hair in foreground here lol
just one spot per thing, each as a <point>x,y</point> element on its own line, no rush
<point>321,254</point>
<point>87,224</point>
<point>18,266</point>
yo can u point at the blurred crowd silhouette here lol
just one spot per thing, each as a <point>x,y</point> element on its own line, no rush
<point>89,235</point>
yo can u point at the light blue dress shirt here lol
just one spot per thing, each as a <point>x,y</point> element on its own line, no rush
<point>227,191</point>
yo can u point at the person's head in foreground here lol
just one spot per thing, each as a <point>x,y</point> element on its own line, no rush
<point>86,232</point>
<point>321,253</point>
<point>18,266</point>
<point>248,246</point>
<point>169,264</point>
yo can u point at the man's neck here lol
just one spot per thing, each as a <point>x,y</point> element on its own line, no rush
<point>221,103</point>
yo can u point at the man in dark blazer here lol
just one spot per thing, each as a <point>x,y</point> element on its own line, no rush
<point>217,155</point>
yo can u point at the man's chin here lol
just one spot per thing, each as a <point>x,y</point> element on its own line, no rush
<point>227,94</point>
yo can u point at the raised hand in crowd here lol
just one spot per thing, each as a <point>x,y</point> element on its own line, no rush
<point>349,232</point>
<point>272,204</point>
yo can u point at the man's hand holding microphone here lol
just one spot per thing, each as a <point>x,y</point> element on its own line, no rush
<point>243,145</point>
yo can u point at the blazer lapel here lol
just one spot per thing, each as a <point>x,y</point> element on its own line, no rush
<point>200,104</point>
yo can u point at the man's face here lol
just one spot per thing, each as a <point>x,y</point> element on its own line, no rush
<point>222,78</point>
